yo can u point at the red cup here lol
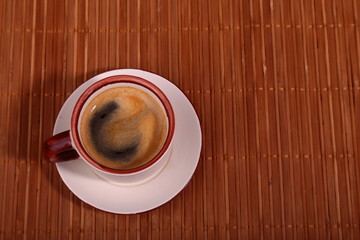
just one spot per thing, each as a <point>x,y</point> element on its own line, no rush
<point>67,145</point>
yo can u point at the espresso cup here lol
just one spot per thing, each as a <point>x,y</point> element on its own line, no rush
<point>122,127</point>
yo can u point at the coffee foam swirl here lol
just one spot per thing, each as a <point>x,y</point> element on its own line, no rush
<point>123,128</point>
<point>104,125</point>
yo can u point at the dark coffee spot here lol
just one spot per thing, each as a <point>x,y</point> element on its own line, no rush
<point>99,117</point>
<point>98,122</point>
<point>126,151</point>
<point>124,154</point>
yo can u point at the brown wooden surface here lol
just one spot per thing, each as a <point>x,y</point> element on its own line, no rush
<point>276,85</point>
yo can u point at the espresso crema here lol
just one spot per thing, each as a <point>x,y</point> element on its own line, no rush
<point>123,127</point>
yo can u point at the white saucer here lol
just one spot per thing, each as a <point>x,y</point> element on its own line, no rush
<point>85,184</point>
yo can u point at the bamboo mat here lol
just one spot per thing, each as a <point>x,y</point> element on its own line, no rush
<point>275,84</point>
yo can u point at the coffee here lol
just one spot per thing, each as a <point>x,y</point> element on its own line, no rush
<point>123,127</point>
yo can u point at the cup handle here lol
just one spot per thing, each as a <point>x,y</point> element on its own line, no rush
<point>58,148</point>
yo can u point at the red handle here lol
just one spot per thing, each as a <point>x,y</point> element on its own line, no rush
<point>58,148</point>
